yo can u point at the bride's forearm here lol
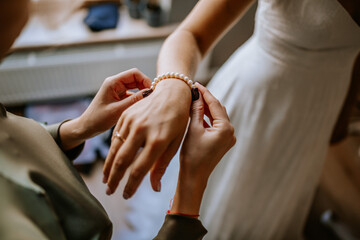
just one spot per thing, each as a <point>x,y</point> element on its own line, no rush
<point>180,53</point>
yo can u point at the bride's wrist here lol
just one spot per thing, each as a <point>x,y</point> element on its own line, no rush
<point>174,87</point>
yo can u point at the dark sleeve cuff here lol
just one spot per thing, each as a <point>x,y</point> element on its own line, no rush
<point>178,227</point>
<point>53,130</point>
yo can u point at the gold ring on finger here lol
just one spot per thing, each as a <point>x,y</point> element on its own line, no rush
<point>117,135</point>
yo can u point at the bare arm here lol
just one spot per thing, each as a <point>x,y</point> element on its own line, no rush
<point>201,30</point>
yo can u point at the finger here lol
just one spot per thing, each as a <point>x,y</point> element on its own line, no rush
<point>130,100</point>
<point>215,107</point>
<point>133,78</point>
<point>197,112</point>
<point>129,79</point>
<point>142,165</point>
<point>158,169</point>
<point>123,127</point>
<point>122,161</point>
<point>114,147</point>
<point>116,142</point>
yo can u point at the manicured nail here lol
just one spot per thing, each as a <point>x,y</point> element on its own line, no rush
<point>158,187</point>
<point>125,195</point>
<point>147,93</point>
<point>108,191</point>
<point>195,94</point>
<point>104,179</point>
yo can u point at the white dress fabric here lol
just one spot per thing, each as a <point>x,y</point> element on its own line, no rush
<point>283,90</point>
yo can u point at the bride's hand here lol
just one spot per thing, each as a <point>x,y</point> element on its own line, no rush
<point>157,124</point>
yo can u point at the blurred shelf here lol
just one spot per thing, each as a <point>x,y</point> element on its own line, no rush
<point>73,32</point>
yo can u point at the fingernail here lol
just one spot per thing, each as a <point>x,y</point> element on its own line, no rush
<point>104,179</point>
<point>147,93</point>
<point>108,191</point>
<point>195,94</point>
<point>158,187</point>
<point>125,195</point>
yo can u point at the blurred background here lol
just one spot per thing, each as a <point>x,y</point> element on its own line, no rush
<point>69,47</point>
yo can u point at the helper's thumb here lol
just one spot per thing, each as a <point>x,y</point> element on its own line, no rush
<point>133,98</point>
<point>197,108</point>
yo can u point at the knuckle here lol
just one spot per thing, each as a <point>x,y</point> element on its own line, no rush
<point>118,165</point>
<point>158,142</point>
<point>133,99</point>
<point>227,130</point>
<point>107,81</point>
<point>137,97</point>
<point>198,107</point>
<point>126,118</point>
<point>138,127</point>
<point>137,173</point>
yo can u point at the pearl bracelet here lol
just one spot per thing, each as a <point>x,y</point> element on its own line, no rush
<point>168,75</point>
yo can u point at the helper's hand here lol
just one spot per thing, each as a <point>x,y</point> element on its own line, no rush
<point>203,148</point>
<point>105,109</point>
<point>158,125</point>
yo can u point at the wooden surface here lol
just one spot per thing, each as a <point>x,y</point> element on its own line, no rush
<point>72,32</point>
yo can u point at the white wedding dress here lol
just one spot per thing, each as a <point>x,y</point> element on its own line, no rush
<point>283,90</point>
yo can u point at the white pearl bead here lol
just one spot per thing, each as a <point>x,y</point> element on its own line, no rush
<point>156,80</point>
<point>172,74</point>
<point>186,79</point>
<point>177,75</point>
<point>181,76</point>
<point>190,82</point>
<point>167,75</point>
<point>152,87</point>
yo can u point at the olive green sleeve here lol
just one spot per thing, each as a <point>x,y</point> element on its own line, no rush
<point>178,227</point>
<point>53,130</point>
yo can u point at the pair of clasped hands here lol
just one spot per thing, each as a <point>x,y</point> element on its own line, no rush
<point>155,124</point>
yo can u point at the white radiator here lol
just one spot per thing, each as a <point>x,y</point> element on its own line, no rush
<point>76,71</point>
<point>71,72</point>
